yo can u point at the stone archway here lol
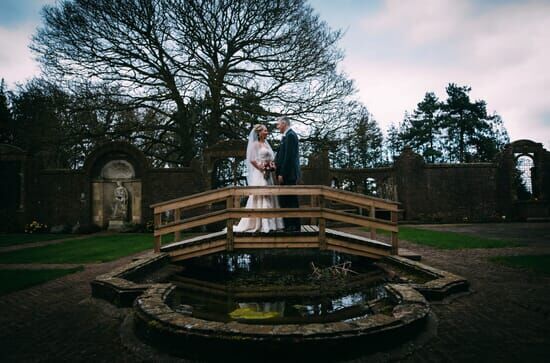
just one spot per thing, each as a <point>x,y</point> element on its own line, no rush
<point>115,172</point>
<point>524,180</point>
<point>223,164</point>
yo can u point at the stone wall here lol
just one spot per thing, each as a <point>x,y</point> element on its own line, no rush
<point>427,192</point>
<point>55,197</point>
<point>431,193</point>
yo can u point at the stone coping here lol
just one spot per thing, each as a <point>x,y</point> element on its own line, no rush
<point>115,285</point>
<point>443,284</point>
<point>155,316</point>
<point>158,324</point>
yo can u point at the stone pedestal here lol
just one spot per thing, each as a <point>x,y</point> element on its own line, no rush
<point>115,225</point>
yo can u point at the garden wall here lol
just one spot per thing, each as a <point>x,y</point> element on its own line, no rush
<point>427,192</point>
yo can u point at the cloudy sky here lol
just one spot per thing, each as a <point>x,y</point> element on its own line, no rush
<point>398,50</point>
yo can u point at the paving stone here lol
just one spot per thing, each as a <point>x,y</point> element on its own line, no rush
<point>506,317</point>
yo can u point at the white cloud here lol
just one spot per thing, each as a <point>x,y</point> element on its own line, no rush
<point>500,51</point>
<point>16,61</point>
<point>420,21</point>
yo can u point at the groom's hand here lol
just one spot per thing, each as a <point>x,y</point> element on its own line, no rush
<point>280,179</point>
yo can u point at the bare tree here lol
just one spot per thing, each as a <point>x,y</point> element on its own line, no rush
<point>165,54</point>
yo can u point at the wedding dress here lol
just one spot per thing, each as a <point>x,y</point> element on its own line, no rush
<point>261,152</point>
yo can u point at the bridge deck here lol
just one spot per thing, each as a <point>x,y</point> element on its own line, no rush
<point>308,237</point>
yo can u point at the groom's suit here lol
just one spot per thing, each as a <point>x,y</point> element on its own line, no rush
<point>288,166</point>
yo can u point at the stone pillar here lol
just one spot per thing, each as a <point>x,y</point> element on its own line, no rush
<point>411,183</point>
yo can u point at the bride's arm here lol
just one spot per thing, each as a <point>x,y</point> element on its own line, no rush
<point>252,156</point>
<point>257,165</point>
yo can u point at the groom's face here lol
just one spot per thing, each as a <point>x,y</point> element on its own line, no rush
<point>281,126</point>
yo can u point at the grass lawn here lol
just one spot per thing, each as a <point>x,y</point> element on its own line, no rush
<point>448,240</point>
<point>537,263</point>
<point>14,280</point>
<point>9,239</point>
<point>87,250</point>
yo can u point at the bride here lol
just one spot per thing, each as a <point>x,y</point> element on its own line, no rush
<point>259,164</point>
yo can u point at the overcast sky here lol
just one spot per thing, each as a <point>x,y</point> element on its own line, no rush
<point>396,51</point>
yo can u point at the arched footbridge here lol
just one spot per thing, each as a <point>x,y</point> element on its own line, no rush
<point>320,206</point>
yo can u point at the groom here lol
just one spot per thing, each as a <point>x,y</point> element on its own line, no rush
<point>288,169</point>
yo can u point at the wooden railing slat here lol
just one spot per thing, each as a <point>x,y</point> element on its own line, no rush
<point>317,211</point>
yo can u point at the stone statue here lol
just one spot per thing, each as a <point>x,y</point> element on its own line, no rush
<point>120,202</point>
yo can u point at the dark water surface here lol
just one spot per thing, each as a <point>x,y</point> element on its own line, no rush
<point>279,287</point>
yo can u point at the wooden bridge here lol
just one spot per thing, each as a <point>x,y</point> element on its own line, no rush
<point>223,206</point>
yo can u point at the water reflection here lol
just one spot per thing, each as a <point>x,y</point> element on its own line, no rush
<point>276,288</point>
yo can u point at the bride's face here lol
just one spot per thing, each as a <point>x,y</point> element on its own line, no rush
<point>262,135</point>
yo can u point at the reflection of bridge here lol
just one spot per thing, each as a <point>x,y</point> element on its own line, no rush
<point>223,205</point>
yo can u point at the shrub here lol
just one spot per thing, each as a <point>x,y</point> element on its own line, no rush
<point>36,227</point>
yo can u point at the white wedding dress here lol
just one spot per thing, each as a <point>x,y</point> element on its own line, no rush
<point>261,152</point>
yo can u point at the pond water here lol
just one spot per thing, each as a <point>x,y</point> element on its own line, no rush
<point>278,287</point>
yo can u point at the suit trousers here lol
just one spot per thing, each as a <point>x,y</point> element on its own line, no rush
<point>290,201</point>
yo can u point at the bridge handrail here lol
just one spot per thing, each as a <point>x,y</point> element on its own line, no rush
<point>318,211</point>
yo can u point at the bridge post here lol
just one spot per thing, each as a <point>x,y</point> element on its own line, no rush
<point>230,239</point>
<point>394,237</point>
<point>157,240</point>
<point>372,214</point>
<point>314,203</point>
<point>177,217</point>
<point>322,225</point>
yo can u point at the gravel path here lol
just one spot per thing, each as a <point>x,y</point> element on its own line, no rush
<point>506,318</point>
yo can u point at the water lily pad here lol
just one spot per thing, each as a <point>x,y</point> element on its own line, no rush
<point>249,313</point>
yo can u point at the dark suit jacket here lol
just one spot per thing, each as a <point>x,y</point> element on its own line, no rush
<point>288,158</point>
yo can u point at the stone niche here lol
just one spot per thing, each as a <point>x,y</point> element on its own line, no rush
<point>116,173</point>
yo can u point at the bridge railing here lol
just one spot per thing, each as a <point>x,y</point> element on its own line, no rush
<point>318,211</point>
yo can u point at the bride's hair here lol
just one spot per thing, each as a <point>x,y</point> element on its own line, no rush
<point>258,128</point>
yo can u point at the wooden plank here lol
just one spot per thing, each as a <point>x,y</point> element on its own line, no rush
<point>220,194</point>
<point>349,237</point>
<point>157,239</point>
<point>322,233</point>
<point>358,247</point>
<point>382,201</point>
<point>197,254</point>
<point>192,222</point>
<point>354,252</point>
<point>274,239</point>
<point>194,240</point>
<point>194,200</point>
<point>322,226</point>
<point>199,247</point>
<point>177,217</point>
<point>314,200</point>
<point>394,237</point>
<point>277,190</point>
<point>274,212</point>
<point>358,200</point>
<point>299,244</point>
<point>156,243</point>
<point>372,214</point>
<point>229,224</point>
<point>359,220</point>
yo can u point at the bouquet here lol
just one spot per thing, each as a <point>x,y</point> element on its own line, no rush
<point>269,166</point>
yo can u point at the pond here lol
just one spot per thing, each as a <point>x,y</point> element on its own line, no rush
<point>274,287</point>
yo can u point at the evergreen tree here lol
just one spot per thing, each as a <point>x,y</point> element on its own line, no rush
<point>361,144</point>
<point>456,130</point>
<point>422,130</point>
<point>466,123</point>
<point>393,142</point>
